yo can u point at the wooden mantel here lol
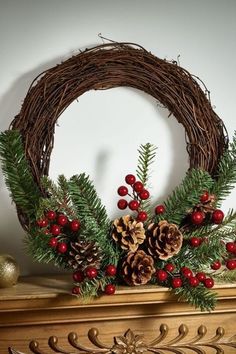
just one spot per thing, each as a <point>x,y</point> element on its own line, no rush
<point>39,307</point>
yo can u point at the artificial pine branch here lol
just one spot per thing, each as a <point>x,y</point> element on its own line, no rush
<point>24,191</point>
<point>146,157</point>
<point>187,195</point>
<point>226,175</point>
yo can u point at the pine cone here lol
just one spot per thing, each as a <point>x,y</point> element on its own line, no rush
<point>83,254</point>
<point>137,268</point>
<point>128,233</point>
<point>164,240</point>
<point>207,206</point>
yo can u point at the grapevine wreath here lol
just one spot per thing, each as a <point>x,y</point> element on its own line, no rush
<point>184,243</point>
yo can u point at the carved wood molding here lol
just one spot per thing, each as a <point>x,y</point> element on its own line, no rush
<point>131,343</point>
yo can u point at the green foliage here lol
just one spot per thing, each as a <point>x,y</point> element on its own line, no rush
<point>187,195</point>
<point>146,157</point>
<point>19,180</point>
<point>226,175</point>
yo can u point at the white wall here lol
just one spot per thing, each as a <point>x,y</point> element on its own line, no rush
<point>100,134</point>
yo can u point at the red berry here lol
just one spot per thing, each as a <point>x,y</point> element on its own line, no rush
<point>75,225</point>
<point>201,276</point>
<point>197,217</point>
<point>169,267</point>
<point>47,232</point>
<point>42,222</point>
<point>134,204</point>
<point>208,283</point>
<point>78,276</point>
<point>55,230</point>
<point>193,281</point>
<point>138,186</point>
<point>231,264</point>
<point>195,241</point>
<point>160,209</point>
<point>216,265</point>
<point>53,242</point>
<point>122,204</point>
<point>62,247</point>
<point>51,214</point>
<point>130,179</point>
<point>204,197</point>
<point>91,272</point>
<point>111,270</point>
<point>231,247</point>
<point>110,289</point>
<point>161,275</point>
<point>142,216</point>
<point>186,272</point>
<point>144,194</point>
<point>217,216</point>
<point>76,290</point>
<point>176,283</point>
<point>122,191</point>
<point>62,220</point>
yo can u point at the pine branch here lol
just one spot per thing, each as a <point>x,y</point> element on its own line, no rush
<point>226,176</point>
<point>199,297</point>
<point>147,154</point>
<point>187,195</point>
<point>18,177</point>
<point>226,276</point>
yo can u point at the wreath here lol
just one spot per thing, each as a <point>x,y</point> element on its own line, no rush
<point>185,243</point>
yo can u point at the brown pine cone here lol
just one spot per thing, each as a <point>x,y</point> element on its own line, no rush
<point>83,254</point>
<point>164,240</point>
<point>128,233</point>
<point>137,268</point>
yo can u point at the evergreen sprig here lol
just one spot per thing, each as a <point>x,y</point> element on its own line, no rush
<point>187,195</point>
<point>226,174</point>
<point>19,180</point>
<point>146,157</point>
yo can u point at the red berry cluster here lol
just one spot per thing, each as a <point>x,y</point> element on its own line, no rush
<point>55,224</point>
<point>231,249</point>
<point>91,273</point>
<point>198,216</point>
<point>139,193</point>
<point>185,275</point>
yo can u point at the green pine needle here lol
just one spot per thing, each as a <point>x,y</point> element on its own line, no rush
<point>147,154</point>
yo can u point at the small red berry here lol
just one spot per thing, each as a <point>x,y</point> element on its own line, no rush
<point>193,281</point>
<point>195,241</point>
<point>76,290</point>
<point>110,289</point>
<point>204,197</point>
<point>208,283</point>
<point>176,283</point>
<point>62,220</point>
<point>231,264</point>
<point>134,204</point>
<point>55,230</point>
<point>91,272</point>
<point>122,204</point>
<point>144,194</point>
<point>51,214</point>
<point>186,272</point>
<point>130,179</point>
<point>111,270</point>
<point>78,276</point>
<point>161,275</point>
<point>160,209</point>
<point>197,217</point>
<point>62,247</point>
<point>138,186</point>
<point>231,247</point>
<point>75,225</point>
<point>217,216</point>
<point>42,222</point>
<point>122,191</point>
<point>169,267</point>
<point>201,276</point>
<point>142,216</point>
<point>53,242</point>
<point>216,265</point>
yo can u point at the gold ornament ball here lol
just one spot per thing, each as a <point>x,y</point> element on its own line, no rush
<point>9,271</point>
